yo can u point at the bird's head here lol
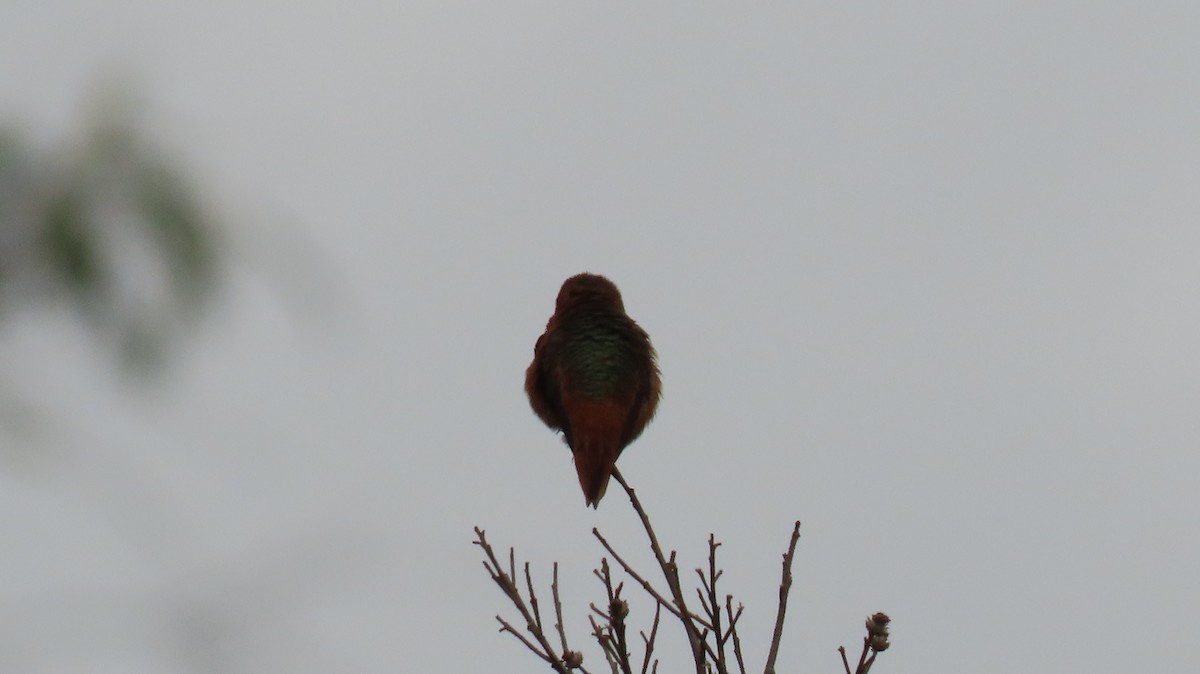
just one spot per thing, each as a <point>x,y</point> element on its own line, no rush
<point>585,289</point>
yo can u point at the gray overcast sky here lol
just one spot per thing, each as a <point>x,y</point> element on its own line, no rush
<point>922,275</point>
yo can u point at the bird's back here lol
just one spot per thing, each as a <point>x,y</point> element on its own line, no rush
<point>602,354</point>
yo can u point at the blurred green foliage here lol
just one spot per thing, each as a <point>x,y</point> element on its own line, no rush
<point>108,224</point>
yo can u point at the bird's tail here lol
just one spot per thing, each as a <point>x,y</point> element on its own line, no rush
<point>595,457</point>
<point>595,441</point>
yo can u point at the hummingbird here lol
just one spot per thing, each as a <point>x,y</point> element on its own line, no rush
<point>595,377</point>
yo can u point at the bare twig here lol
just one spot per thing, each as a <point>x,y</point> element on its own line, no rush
<point>506,626</point>
<point>671,572</point>
<point>610,627</point>
<point>650,640</point>
<point>605,641</point>
<point>618,610</point>
<point>703,601</point>
<point>845,662</point>
<point>701,636</point>
<point>533,602</point>
<point>662,601</point>
<point>506,581</point>
<point>784,586</point>
<point>737,641</point>
<point>713,605</point>
<point>558,624</point>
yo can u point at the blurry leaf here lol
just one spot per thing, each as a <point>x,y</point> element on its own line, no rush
<point>108,222</point>
<point>69,245</point>
<point>177,226</point>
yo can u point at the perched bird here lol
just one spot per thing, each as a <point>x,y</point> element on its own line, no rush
<point>593,377</point>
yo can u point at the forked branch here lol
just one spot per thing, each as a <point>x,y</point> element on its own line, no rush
<point>562,662</point>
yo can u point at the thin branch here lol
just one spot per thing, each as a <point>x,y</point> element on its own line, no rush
<point>558,625</point>
<point>605,641</point>
<point>506,626</point>
<point>617,611</point>
<point>533,602</point>
<point>713,603</point>
<point>650,640</point>
<point>737,641</point>
<point>784,586</point>
<point>533,626</point>
<point>703,600</point>
<point>662,601</point>
<point>671,572</point>
<point>863,658</point>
